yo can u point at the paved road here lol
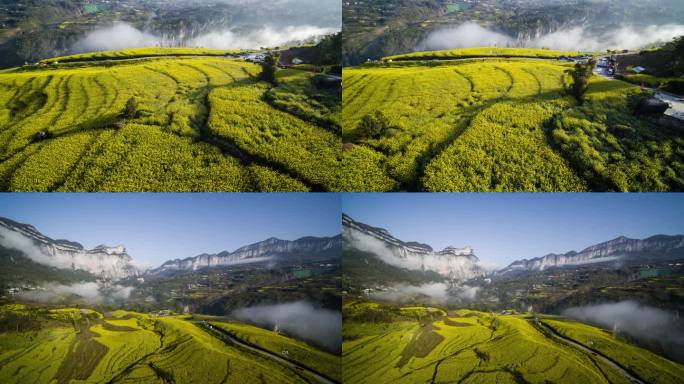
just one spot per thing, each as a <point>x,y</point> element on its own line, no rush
<point>605,359</point>
<point>676,102</point>
<point>226,336</point>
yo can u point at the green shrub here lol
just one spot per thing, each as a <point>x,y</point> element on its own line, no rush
<point>373,126</point>
<point>131,109</point>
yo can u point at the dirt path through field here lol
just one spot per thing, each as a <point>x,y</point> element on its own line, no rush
<point>226,336</point>
<point>584,349</point>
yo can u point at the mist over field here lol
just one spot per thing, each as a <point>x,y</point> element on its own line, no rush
<point>123,35</point>
<point>264,37</point>
<point>300,318</point>
<point>575,38</point>
<point>90,292</point>
<point>655,327</point>
<point>434,293</point>
<point>118,36</point>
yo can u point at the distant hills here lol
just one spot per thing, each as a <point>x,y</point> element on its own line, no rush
<point>270,250</point>
<point>377,28</point>
<point>369,249</point>
<point>24,244</point>
<point>619,249</point>
<point>31,30</point>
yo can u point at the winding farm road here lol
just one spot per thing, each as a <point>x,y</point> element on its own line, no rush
<point>226,336</point>
<point>606,359</point>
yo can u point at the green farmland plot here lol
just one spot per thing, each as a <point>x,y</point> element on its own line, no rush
<point>195,124</point>
<point>129,347</point>
<point>464,53</point>
<point>475,347</point>
<point>499,125</point>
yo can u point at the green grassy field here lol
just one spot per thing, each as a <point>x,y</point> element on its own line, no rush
<point>128,347</point>
<point>201,124</point>
<point>499,125</point>
<point>471,347</point>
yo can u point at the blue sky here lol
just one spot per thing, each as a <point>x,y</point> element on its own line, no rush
<point>503,227</point>
<point>159,227</point>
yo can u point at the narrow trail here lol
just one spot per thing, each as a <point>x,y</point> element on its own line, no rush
<point>228,338</point>
<point>550,331</point>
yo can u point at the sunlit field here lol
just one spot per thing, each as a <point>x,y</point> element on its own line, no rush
<point>499,125</point>
<point>73,346</point>
<point>465,53</point>
<point>387,344</point>
<point>200,124</point>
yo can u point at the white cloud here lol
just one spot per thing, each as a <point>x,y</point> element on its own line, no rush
<point>123,35</point>
<point>118,36</point>
<point>90,292</point>
<point>264,37</point>
<point>435,293</point>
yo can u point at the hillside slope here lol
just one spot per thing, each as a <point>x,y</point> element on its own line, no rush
<point>416,344</point>
<point>124,347</point>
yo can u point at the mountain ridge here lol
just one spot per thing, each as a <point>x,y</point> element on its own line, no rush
<point>113,262</point>
<point>617,248</point>
<point>103,261</point>
<point>456,264</point>
<point>261,251</point>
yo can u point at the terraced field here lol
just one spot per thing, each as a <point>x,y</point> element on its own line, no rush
<point>475,347</point>
<point>464,53</point>
<point>127,347</point>
<point>139,53</point>
<point>499,125</point>
<point>201,124</point>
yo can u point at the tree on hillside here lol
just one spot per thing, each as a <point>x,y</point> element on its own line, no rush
<point>269,66</point>
<point>329,50</point>
<point>373,126</point>
<point>131,109</point>
<point>676,48</point>
<point>580,79</point>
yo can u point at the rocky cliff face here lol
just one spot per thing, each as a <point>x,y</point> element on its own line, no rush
<point>619,248</point>
<point>268,250</point>
<point>102,261</point>
<point>453,263</point>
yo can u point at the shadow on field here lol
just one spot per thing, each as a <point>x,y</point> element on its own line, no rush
<point>424,340</point>
<point>82,359</point>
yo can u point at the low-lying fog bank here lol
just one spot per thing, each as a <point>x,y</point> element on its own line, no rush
<point>659,330</point>
<point>321,327</point>
<point>87,292</point>
<point>572,39</point>
<point>434,293</point>
<point>123,35</point>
